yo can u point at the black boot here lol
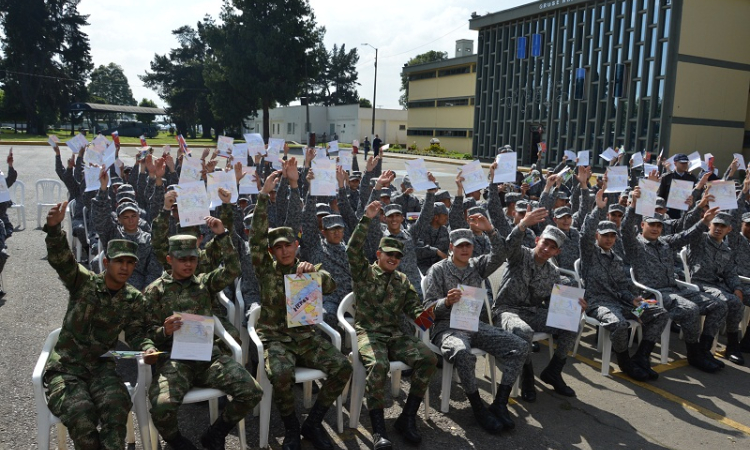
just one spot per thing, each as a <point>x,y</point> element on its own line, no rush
<point>697,358</point>
<point>482,415</point>
<point>313,429</point>
<point>733,352</point>
<point>499,407</point>
<point>406,424</point>
<point>528,391</point>
<point>215,437</point>
<point>552,375</point>
<point>745,342</point>
<point>292,440</point>
<point>642,359</point>
<point>380,439</point>
<point>706,343</point>
<point>629,368</point>
<point>180,442</point>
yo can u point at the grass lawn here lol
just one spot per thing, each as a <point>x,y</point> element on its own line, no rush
<point>163,139</point>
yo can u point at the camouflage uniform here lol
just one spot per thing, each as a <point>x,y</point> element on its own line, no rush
<point>432,240</point>
<point>83,389</point>
<point>409,203</point>
<point>653,263</point>
<point>609,291</point>
<point>381,299</point>
<point>286,347</point>
<point>456,345</point>
<point>174,378</point>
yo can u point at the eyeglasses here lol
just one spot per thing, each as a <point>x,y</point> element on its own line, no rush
<point>396,255</point>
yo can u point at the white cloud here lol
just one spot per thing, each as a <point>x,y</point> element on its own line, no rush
<point>130,32</point>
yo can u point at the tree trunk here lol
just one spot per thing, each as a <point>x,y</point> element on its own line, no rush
<point>266,120</point>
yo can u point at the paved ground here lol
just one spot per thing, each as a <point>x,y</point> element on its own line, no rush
<point>684,409</point>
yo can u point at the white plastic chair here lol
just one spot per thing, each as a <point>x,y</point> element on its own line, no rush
<point>17,198</point>
<point>196,394</point>
<point>239,318</point>
<point>48,194</point>
<point>496,278</point>
<point>303,375</point>
<point>604,342</point>
<point>75,243</point>
<point>685,264</point>
<point>665,335</point>
<point>358,373</point>
<point>46,420</point>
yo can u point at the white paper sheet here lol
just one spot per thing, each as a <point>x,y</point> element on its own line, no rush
<point>617,179</point>
<point>194,341</point>
<point>100,143</point>
<point>646,205</point>
<point>417,172</point>
<point>93,156</point>
<point>584,158</point>
<point>507,165</point>
<point>221,179</point>
<point>225,145</point>
<point>239,153</point>
<point>191,170</point>
<point>564,310</point>
<point>474,177</point>
<point>304,299</point>
<point>333,147</point>
<point>648,168</point>
<point>695,161</point>
<point>679,192</point>
<point>637,159</point>
<point>324,183</point>
<point>247,184</point>
<point>355,143</point>
<point>740,160</point>
<point>53,141</point>
<point>255,144</point>
<point>91,175</point>
<point>465,313</point>
<point>192,203</point>
<point>570,154</point>
<point>608,154</point>
<point>724,195</point>
<point>345,160</point>
<point>275,150</point>
<point>108,158</point>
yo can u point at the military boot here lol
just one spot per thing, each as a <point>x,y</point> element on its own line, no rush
<point>482,415</point>
<point>180,442</point>
<point>628,367</point>
<point>528,391</point>
<point>313,429</point>
<point>552,375</point>
<point>499,407</point>
<point>215,437</point>
<point>406,424</point>
<point>707,342</point>
<point>733,352</point>
<point>642,359</point>
<point>292,440</point>
<point>697,358</point>
<point>380,439</point>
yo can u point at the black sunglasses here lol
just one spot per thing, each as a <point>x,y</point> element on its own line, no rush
<point>396,255</point>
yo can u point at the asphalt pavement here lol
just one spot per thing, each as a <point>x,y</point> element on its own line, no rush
<point>684,409</point>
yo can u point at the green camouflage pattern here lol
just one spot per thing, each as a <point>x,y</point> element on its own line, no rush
<point>281,234</point>
<point>117,248</point>
<point>182,245</point>
<point>389,244</point>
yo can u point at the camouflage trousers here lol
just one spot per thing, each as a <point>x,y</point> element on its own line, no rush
<point>315,353</point>
<point>510,352</point>
<point>82,404</point>
<point>376,352</point>
<point>524,322</point>
<point>686,308</point>
<point>614,317</point>
<point>175,378</point>
<point>735,308</point>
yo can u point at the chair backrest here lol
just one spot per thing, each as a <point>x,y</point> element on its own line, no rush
<point>496,278</point>
<point>16,197</point>
<point>36,377</point>
<point>685,265</point>
<point>71,209</point>
<point>48,191</point>
<point>577,267</point>
<point>86,221</point>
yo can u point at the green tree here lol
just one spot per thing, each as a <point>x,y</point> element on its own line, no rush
<point>110,85</point>
<point>258,51</point>
<point>337,79</point>
<point>364,103</point>
<point>146,118</point>
<point>423,58</point>
<point>46,57</point>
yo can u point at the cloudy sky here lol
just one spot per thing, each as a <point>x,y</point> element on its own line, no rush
<point>130,32</point>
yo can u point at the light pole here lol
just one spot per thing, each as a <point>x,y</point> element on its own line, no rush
<point>374,90</point>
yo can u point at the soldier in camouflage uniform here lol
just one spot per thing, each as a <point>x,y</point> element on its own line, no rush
<point>407,200</point>
<point>651,255</point>
<point>609,293</point>
<point>182,291</point>
<point>442,286</point>
<point>83,389</point>
<point>434,241</point>
<point>286,347</point>
<point>383,295</point>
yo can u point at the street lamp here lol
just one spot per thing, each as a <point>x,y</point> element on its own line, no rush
<point>374,90</point>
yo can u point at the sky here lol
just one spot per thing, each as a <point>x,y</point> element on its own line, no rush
<point>131,32</point>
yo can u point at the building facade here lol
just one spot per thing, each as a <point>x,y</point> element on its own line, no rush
<point>345,123</point>
<point>441,100</point>
<point>593,74</point>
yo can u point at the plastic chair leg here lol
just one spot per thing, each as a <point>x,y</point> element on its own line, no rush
<point>358,393</point>
<point>62,437</point>
<point>213,409</point>
<point>130,434</point>
<point>665,336</point>
<point>604,335</point>
<point>395,383</point>
<point>490,361</point>
<point>265,412</point>
<point>307,394</point>
<point>445,388</point>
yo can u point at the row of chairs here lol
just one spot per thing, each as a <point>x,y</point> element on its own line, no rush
<point>48,193</point>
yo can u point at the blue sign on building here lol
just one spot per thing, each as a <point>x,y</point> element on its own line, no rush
<point>536,45</point>
<point>521,50</point>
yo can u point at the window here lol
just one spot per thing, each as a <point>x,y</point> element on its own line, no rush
<point>451,133</point>
<point>422,104</point>
<point>291,128</point>
<point>417,132</point>
<point>422,76</point>
<point>402,127</point>
<point>454,71</point>
<point>453,102</point>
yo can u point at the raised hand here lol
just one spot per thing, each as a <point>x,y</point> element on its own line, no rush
<point>170,198</point>
<point>215,224</point>
<point>341,176</point>
<point>238,173</point>
<point>460,183</point>
<point>160,168</point>
<point>290,169</point>
<point>709,215</point>
<point>534,217</point>
<point>601,202</point>
<point>305,267</point>
<point>103,179</point>
<point>57,214</point>
<point>271,182</point>
<point>480,222</point>
<point>493,167</point>
<point>373,209</point>
<point>385,179</point>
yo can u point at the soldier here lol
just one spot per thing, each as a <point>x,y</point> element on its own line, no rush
<point>10,178</point>
<point>383,295</point>
<point>651,255</point>
<point>609,293</point>
<point>740,245</point>
<point>434,239</point>
<point>442,285</point>
<point>407,200</point>
<point>681,165</point>
<point>83,389</point>
<point>285,347</point>
<point>520,306</point>
<point>183,290</point>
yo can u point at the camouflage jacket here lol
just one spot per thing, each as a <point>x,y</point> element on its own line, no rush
<point>272,322</point>
<point>380,297</point>
<point>95,316</point>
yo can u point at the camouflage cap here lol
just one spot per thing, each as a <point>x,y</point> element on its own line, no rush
<point>281,234</point>
<point>469,203</point>
<point>606,227</point>
<point>183,245</point>
<point>355,175</point>
<point>406,182</point>
<point>562,195</point>
<point>117,248</point>
<point>521,205</point>
<point>442,195</point>
<point>746,217</point>
<point>171,187</point>
<point>555,234</point>
<point>562,212</point>
<point>391,244</point>
<point>393,209</point>
<point>248,221</point>
<point>126,188</point>
<point>461,235</point>
<point>660,202</point>
<point>616,208</point>
<point>333,221</point>
<point>127,206</point>
<point>512,197</point>
<point>322,209</point>
<point>476,210</point>
<point>116,181</point>
<point>440,208</point>
<point>723,218</point>
<point>385,193</point>
<point>656,218</point>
